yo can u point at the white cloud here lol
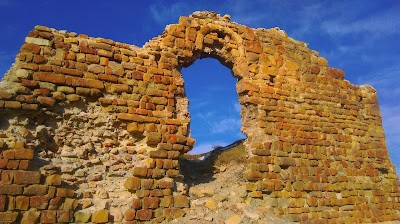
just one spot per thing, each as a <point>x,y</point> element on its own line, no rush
<point>167,13</point>
<point>391,121</point>
<point>237,107</point>
<point>207,146</point>
<point>226,125</point>
<point>377,25</point>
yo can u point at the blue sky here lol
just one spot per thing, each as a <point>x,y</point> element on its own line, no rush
<point>361,37</point>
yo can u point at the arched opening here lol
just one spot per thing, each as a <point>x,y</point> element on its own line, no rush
<point>215,120</point>
<point>213,105</point>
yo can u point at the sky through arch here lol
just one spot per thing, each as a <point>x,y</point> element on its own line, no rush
<point>213,104</point>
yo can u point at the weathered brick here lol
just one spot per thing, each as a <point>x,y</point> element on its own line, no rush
<point>64,216</point>
<point>120,88</point>
<point>49,77</point>
<point>139,171</point>
<point>133,183</point>
<point>82,217</point>
<point>153,138</point>
<point>30,47</point>
<point>100,216</point>
<point>151,202</point>
<point>69,71</point>
<point>35,189</point>
<point>95,68</point>
<point>108,78</point>
<point>41,92</point>
<point>30,217</point>
<point>146,184</point>
<point>9,154</point>
<point>46,101</point>
<point>91,83</point>
<point>158,154</point>
<point>335,73</point>
<point>26,106</point>
<point>39,202</point>
<point>181,201</point>
<point>48,216</point>
<point>54,179</point>
<point>22,203</point>
<point>26,177</point>
<point>3,163</point>
<point>165,183</point>
<point>3,201</point>
<point>23,153</point>
<point>12,164</point>
<point>8,217</point>
<point>144,214</point>
<point>12,104</point>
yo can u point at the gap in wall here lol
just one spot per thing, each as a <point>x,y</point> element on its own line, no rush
<point>213,105</point>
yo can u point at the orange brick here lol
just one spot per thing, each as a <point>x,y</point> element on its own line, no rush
<point>24,153</point>
<point>12,105</point>
<point>28,47</point>
<point>49,77</point>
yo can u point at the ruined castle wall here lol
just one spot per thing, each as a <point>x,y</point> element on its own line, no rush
<point>91,129</point>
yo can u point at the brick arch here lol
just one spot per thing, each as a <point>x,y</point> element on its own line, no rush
<point>311,135</point>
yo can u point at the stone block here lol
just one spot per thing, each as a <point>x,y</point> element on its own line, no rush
<point>96,69</point>
<point>30,217</point>
<point>108,78</point>
<point>3,201</point>
<point>3,163</point>
<point>49,77</point>
<point>30,47</point>
<point>144,214</point>
<point>129,214</point>
<point>92,59</point>
<point>252,175</point>
<point>166,183</point>
<point>82,217</point>
<point>150,202</point>
<point>63,192</point>
<point>167,201</point>
<point>64,216</point>
<point>8,217</point>
<point>181,201</point>
<point>120,88</point>
<point>139,171</point>
<point>9,154</point>
<point>133,183</point>
<point>48,216</point>
<point>22,203</point>
<point>173,213</point>
<point>39,202</point>
<point>158,154</point>
<point>69,204</point>
<point>24,154</point>
<point>13,164</point>
<point>27,177</point>
<point>12,104</point>
<point>153,138</point>
<point>82,82</point>
<point>11,189</point>
<point>100,216</point>
<point>46,101</point>
<point>136,203</point>
<point>35,189</point>
<point>37,41</point>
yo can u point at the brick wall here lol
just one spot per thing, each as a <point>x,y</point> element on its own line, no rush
<point>91,129</point>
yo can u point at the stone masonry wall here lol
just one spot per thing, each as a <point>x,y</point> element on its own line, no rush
<point>91,129</point>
